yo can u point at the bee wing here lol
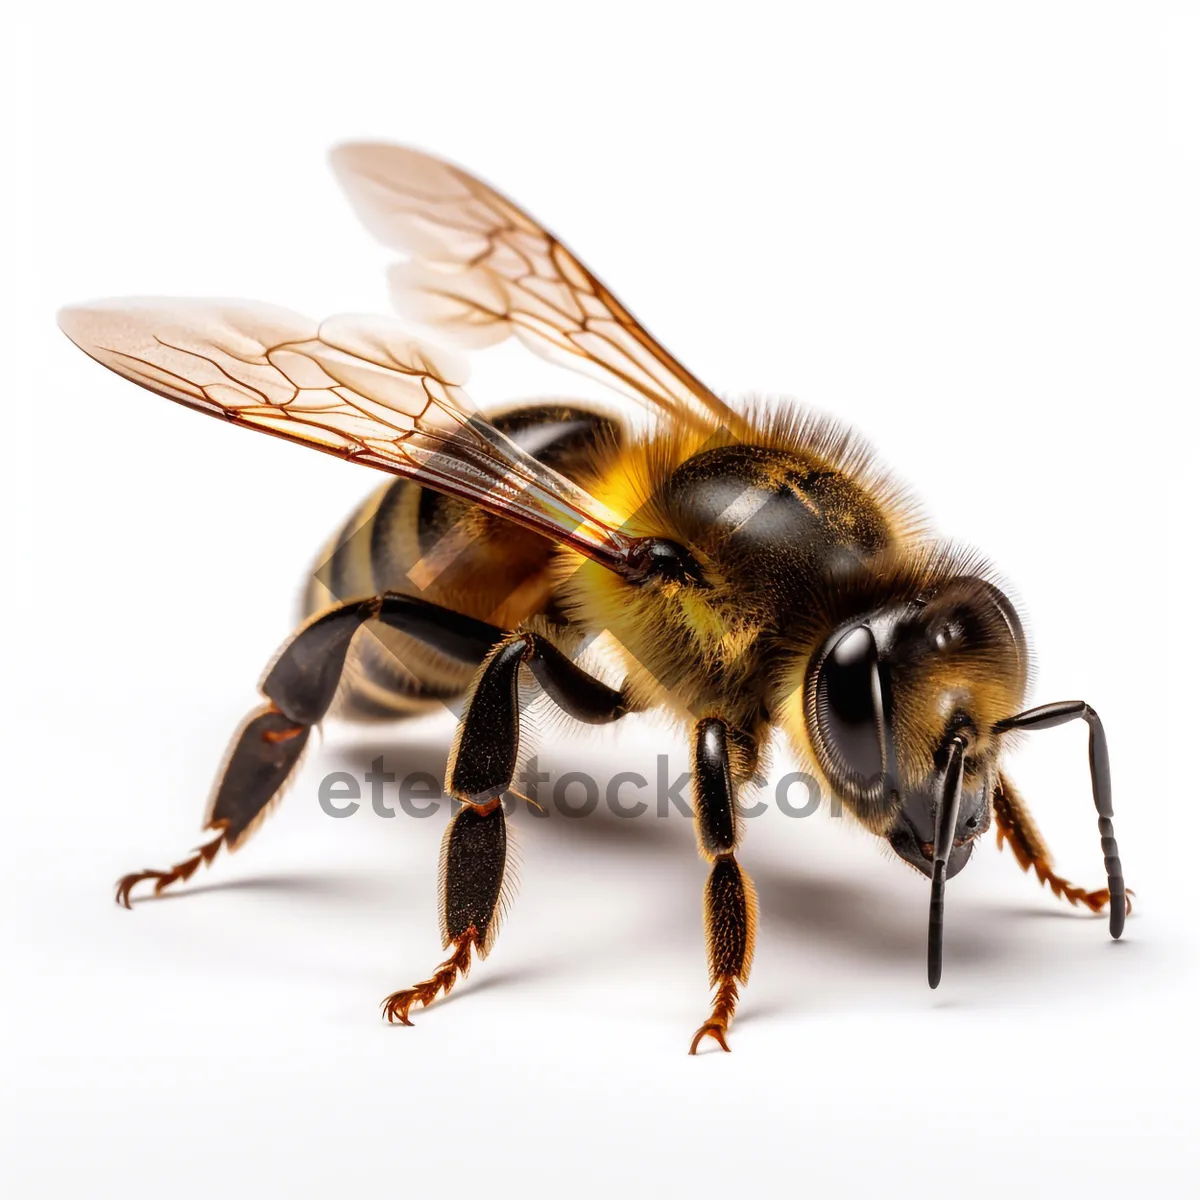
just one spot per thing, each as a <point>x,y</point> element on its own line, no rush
<point>481,270</point>
<point>357,387</point>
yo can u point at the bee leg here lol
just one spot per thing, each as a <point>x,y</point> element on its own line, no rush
<point>299,689</point>
<point>1010,814</point>
<point>1016,826</point>
<point>474,889</point>
<point>730,905</point>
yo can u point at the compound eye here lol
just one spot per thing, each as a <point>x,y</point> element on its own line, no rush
<point>847,706</point>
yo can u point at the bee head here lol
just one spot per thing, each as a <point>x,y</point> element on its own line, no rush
<point>889,694</point>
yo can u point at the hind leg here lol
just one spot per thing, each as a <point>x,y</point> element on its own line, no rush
<point>299,689</point>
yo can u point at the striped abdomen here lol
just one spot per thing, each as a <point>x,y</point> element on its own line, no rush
<point>406,538</point>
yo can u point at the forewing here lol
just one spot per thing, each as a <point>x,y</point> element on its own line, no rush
<point>481,270</point>
<point>357,387</point>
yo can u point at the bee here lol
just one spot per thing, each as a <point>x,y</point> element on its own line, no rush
<point>753,567</point>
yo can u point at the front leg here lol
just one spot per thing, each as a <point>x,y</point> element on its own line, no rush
<point>730,905</point>
<point>1048,716</point>
<point>480,771</point>
<point>1016,826</point>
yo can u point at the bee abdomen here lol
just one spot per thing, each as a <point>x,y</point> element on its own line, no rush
<point>409,539</point>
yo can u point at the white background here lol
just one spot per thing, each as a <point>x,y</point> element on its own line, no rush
<point>968,229</point>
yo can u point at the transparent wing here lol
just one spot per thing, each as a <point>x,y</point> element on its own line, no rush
<point>357,387</point>
<point>482,270</point>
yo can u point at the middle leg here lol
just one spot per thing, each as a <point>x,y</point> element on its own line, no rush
<point>481,768</point>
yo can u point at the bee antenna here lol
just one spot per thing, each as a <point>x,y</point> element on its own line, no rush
<point>945,823</point>
<point>654,559</point>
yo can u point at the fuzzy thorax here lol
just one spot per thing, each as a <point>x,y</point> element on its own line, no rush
<point>765,516</point>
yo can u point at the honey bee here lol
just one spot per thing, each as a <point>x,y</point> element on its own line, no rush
<point>753,567</point>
